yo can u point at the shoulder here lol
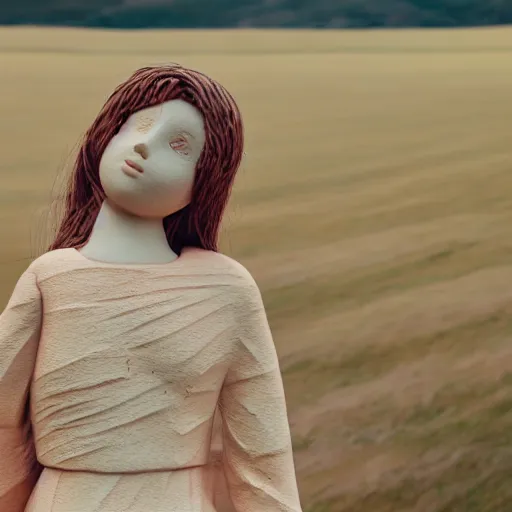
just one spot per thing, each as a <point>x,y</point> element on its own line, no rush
<point>27,288</point>
<point>50,258</point>
<point>237,278</point>
<point>51,261</point>
<point>221,263</point>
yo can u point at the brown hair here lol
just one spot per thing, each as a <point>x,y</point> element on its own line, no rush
<point>198,223</point>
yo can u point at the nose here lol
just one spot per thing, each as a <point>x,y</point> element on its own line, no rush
<point>142,150</point>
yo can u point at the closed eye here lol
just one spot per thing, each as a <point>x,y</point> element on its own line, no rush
<point>144,124</point>
<point>180,145</point>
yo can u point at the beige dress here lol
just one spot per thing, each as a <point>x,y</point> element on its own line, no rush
<point>126,366</point>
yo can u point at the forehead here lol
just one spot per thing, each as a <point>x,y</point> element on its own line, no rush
<point>175,111</point>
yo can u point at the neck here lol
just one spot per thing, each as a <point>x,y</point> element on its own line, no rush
<point>119,237</point>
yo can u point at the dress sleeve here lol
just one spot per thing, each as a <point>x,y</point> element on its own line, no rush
<point>20,325</point>
<point>258,459</point>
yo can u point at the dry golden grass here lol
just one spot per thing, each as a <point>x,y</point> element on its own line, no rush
<point>375,210</point>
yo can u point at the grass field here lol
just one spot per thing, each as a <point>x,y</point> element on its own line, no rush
<point>374,208</point>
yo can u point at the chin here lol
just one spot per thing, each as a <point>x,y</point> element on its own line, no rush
<point>143,211</point>
<point>135,199</point>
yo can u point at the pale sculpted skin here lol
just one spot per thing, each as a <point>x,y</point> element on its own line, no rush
<point>165,142</point>
<point>130,351</point>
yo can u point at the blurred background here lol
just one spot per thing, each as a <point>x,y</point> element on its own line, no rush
<point>373,208</point>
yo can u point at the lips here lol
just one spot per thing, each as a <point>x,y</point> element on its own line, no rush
<point>134,165</point>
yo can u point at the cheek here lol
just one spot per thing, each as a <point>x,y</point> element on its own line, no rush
<point>179,180</point>
<point>177,184</point>
<point>172,167</point>
<point>118,146</point>
<point>109,152</point>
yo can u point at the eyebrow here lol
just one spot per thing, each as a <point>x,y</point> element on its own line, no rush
<point>188,133</point>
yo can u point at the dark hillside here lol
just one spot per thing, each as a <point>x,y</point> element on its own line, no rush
<point>256,13</point>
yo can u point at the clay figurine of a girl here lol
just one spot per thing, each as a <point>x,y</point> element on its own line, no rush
<point>120,343</point>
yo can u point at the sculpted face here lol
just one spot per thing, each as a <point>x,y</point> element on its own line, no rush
<point>148,168</point>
